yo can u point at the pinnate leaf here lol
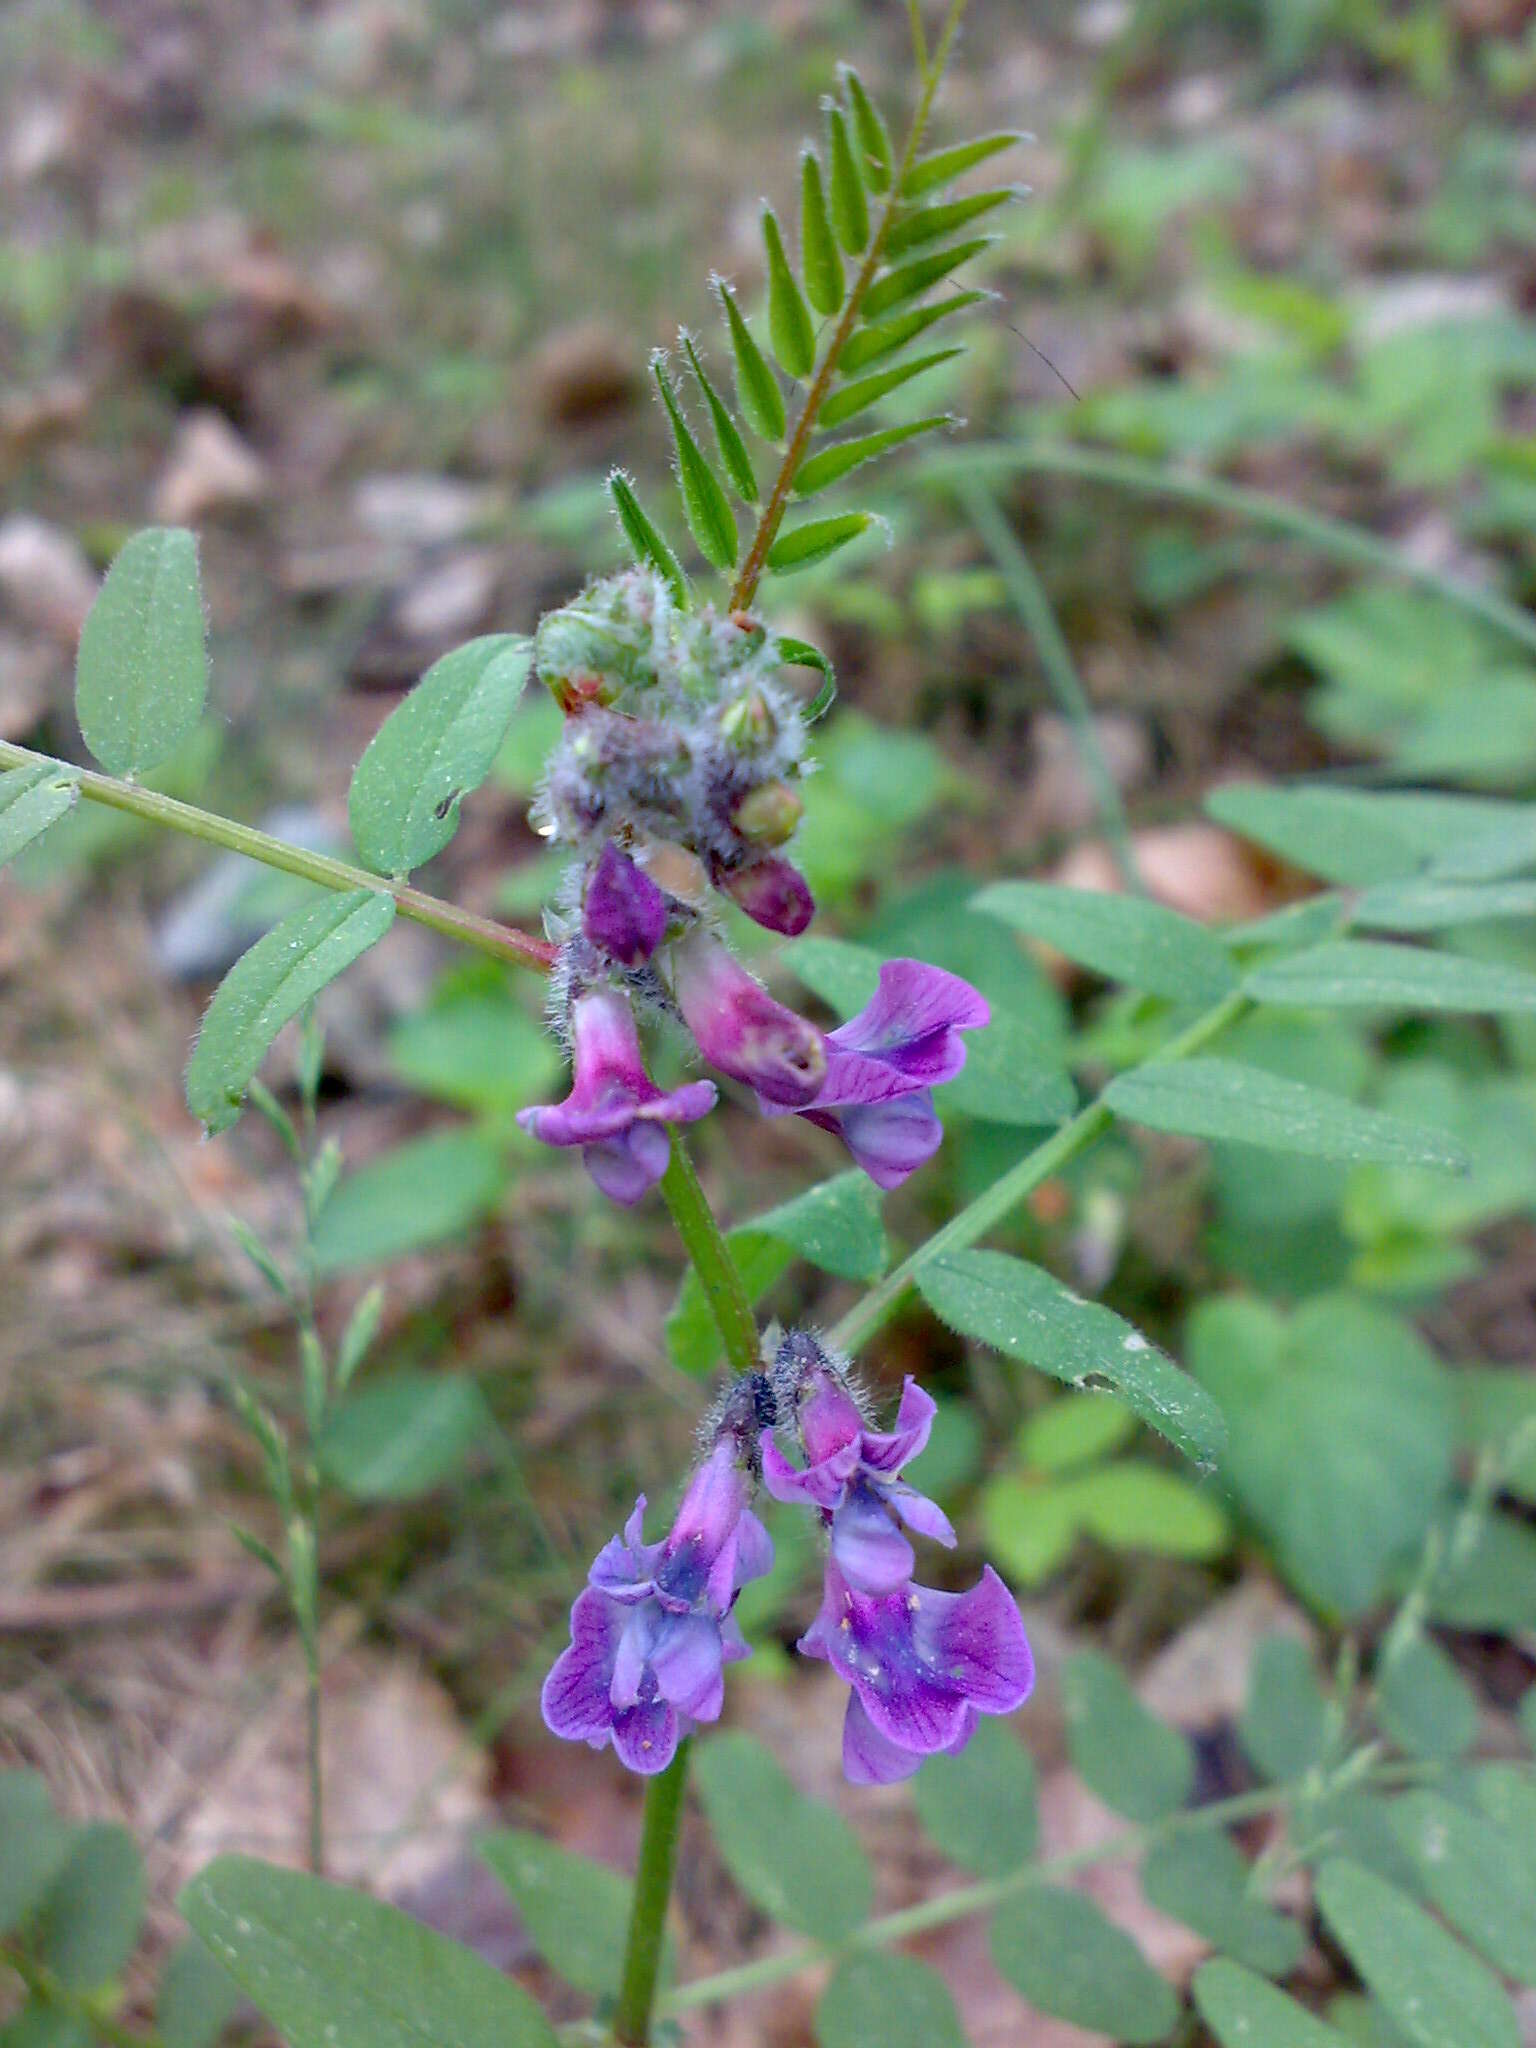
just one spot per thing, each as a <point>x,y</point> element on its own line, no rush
<point>794,1857</point>
<point>435,746</point>
<point>268,986</point>
<point>1125,938</point>
<point>141,675</point>
<point>330,1966</point>
<point>1023,1312</point>
<point>1125,1755</point>
<point>710,518</point>
<point>943,166</point>
<point>1057,1949</point>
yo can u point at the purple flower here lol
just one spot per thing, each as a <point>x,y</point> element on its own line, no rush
<point>850,1475</point>
<point>882,1064</point>
<point>742,1030</point>
<point>615,1112</point>
<point>922,1665</point>
<point>773,893</point>
<point>623,912</point>
<point>653,1630</point>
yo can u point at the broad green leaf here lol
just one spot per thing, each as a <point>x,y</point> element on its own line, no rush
<point>479,1050</point>
<point>979,1806</point>
<point>1507,848</point>
<point>1242,2011</point>
<point>1343,835</point>
<point>87,1925</point>
<point>1126,1756</point>
<point>883,338</point>
<point>141,676</point>
<point>789,320</point>
<point>37,1845</point>
<point>332,1968</point>
<point>1059,1951</point>
<point>1340,1435</point>
<point>820,263</point>
<point>857,397</point>
<point>644,537</point>
<point>887,2001</point>
<point>1423,1703</point>
<point>38,2025</point>
<point>1428,1984</point>
<point>1134,1506</point>
<point>1498,1413</point>
<point>733,450</point>
<point>794,1857</point>
<point>1125,938</point>
<point>836,1226</point>
<point>832,463</point>
<point>908,281</point>
<point>757,389</point>
<point>801,547</point>
<point>1217,1098</point>
<point>1432,906</point>
<point>1030,1526</point>
<point>1077,1430</point>
<point>436,746</point>
<point>943,166</point>
<point>196,2000</point>
<point>845,976</point>
<point>911,229</point>
<point>1372,974</point>
<point>1284,1728</point>
<point>576,1909</point>
<point>850,210</point>
<point>1507,1794</point>
<point>1204,1881</point>
<point>268,986</point>
<point>874,139</point>
<point>31,799</point>
<point>1475,1876</point>
<point>1356,1825</point>
<point>710,518</point>
<point>402,1436</point>
<point>1025,1313</point>
<point>1490,1584</point>
<point>423,1192</point>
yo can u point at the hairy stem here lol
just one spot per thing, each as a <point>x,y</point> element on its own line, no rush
<point>484,934</point>
<point>1006,1193</point>
<point>750,573</point>
<point>1034,609</point>
<point>1335,537</point>
<point>653,1888</point>
<point>711,1258</point>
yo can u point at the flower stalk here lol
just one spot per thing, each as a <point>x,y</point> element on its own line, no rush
<point>653,1888</point>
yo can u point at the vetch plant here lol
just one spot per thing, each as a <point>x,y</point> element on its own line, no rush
<point>672,792</point>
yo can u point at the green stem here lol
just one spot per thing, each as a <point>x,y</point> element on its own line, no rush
<point>484,934</point>
<point>1005,1194</point>
<point>1034,608</point>
<point>648,1916</point>
<point>1333,536</point>
<point>711,1258</point>
<point>964,1900</point>
<point>750,573</point>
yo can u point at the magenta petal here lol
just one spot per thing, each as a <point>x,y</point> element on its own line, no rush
<point>871,1552</point>
<point>686,1661</point>
<point>870,1758</point>
<point>912,1020</point>
<point>831,1423</point>
<point>575,1700</point>
<point>977,1639</point>
<point>890,1140</point>
<point>742,1030</point>
<point>818,1486</point>
<point>623,912</point>
<point>645,1736</point>
<point>914,1420</point>
<point>626,1167</point>
<point>712,1505</point>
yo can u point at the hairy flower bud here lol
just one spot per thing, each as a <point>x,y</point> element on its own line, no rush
<point>768,814</point>
<point>623,912</point>
<point>773,894</point>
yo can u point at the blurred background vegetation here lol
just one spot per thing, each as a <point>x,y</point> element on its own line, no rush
<point>363,291</point>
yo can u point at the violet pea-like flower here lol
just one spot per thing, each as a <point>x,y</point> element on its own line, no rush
<point>653,1629</point>
<point>622,911</point>
<point>850,1474</point>
<point>615,1112</point>
<point>883,1064</point>
<point>922,1666</point>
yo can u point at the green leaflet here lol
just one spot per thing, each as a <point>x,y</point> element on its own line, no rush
<point>801,547</point>
<point>757,389</point>
<point>710,518</point>
<point>789,319</point>
<point>874,343</point>
<point>831,464</point>
<point>1242,2011</point>
<point>1371,974</point>
<point>850,211</point>
<point>1125,1755</point>
<point>794,1857</point>
<point>1125,938</point>
<point>942,166</point>
<point>874,138</point>
<point>31,799</point>
<point>854,398</point>
<point>644,539</point>
<point>909,281</point>
<point>820,263</point>
<point>141,675</point>
<point>891,1999</point>
<point>576,1909</point>
<point>911,229</point>
<point>1067,1959</point>
<point>733,450</point>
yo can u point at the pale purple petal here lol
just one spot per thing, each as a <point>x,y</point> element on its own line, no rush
<point>923,1516</point>
<point>686,1661</point>
<point>977,1640</point>
<point>819,1486</point>
<point>633,1653</point>
<point>754,1550</point>
<point>624,1566</point>
<point>712,1506</point>
<point>914,1419</point>
<point>871,1552</point>
<point>626,1167</point>
<point>733,1644</point>
<point>831,1422</point>
<point>890,1140</point>
<point>870,1758</point>
<point>645,1736</point>
<point>913,1020</point>
<point>576,1699</point>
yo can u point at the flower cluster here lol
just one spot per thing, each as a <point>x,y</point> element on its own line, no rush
<point>674,774</point>
<point>653,1629</point>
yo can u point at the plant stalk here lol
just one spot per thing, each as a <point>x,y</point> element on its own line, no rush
<point>711,1258</point>
<point>653,1888</point>
<point>484,934</point>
